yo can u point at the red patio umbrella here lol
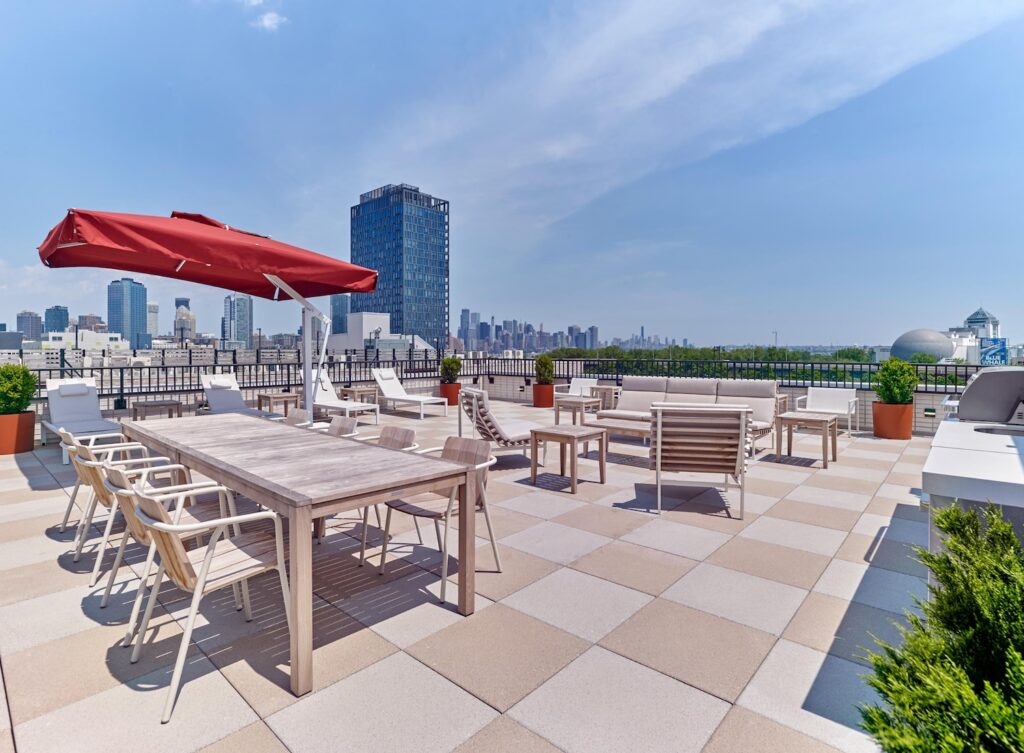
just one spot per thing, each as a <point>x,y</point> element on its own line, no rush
<point>196,248</point>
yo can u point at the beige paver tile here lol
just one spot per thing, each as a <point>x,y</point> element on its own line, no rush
<point>256,738</point>
<point>830,497</point>
<point>33,508</point>
<point>555,542</point>
<point>500,655</point>
<point>881,552</point>
<point>893,529</point>
<point>793,567</point>
<point>912,480</point>
<point>900,492</point>
<point>711,653</point>
<point>541,504</point>
<point>893,508</point>
<point>857,452</point>
<point>856,485</point>
<point>505,522</point>
<point>795,535</point>
<point>434,714</point>
<point>7,741</point>
<point>42,526</point>
<point>634,566</point>
<point>506,734</point>
<point>746,599</point>
<point>778,472</point>
<point>677,538</point>
<point>873,586</point>
<point>814,693</point>
<point>713,511</point>
<point>519,569</point>
<point>852,461</point>
<point>207,709</point>
<point>581,708</point>
<point>578,603</point>
<point>843,628</point>
<point>818,515</point>
<point>859,472</point>
<point>606,521</point>
<point>769,488</point>
<point>743,730</point>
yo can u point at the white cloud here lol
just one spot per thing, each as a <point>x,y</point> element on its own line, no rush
<point>251,3</point>
<point>269,21</point>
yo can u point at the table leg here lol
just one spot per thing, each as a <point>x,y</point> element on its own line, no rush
<point>467,545</point>
<point>835,440</point>
<point>561,458</point>
<point>603,458</point>
<point>778,437</point>
<point>789,439</point>
<point>300,586</point>
<point>558,414</point>
<point>285,404</point>
<point>573,463</point>
<point>824,445</point>
<point>575,411</point>
<point>533,461</point>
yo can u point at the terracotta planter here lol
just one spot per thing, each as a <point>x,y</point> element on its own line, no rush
<point>17,432</point>
<point>892,421</point>
<point>451,392</point>
<point>543,395</point>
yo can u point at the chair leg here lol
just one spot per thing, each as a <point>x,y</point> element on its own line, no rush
<point>490,534</point>
<point>287,595</point>
<point>71,505</point>
<point>83,526</point>
<point>387,534</point>
<point>113,571</point>
<point>444,555</point>
<point>362,545</point>
<point>437,532</point>
<point>376,511</point>
<point>179,664</point>
<point>416,522</point>
<point>657,483</point>
<point>139,596</point>
<point>153,593</point>
<point>743,489</point>
<point>246,603</point>
<point>102,549</point>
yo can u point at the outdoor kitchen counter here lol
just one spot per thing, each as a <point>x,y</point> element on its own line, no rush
<point>973,465</point>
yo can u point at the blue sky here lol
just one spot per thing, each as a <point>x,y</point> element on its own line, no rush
<point>836,171</point>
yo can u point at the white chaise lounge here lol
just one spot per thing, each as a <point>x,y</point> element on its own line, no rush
<point>327,399</point>
<point>391,389</point>
<point>832,400</point>
<point>74,405</point>
<point>223,395</point>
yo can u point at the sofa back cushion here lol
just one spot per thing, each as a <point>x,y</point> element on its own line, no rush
<point>692,391</point>
<point>758,394</point>
<point>643,384</point>
<point>638,392</point>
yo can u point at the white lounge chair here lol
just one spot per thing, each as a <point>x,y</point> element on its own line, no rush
<point>700,438</point>
<point>513,435</point>
<point>74,405</point>
<point>832,400</point>
<point>391,389</point>
<point>578,386</point>
<point>327,399</point>
<point>223,395</point>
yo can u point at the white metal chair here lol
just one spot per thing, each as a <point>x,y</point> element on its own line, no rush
<point>438,506</point>
<point>393,438</point>
<point>74,405</point>
<point>223,562</point>
<point>327,399</point>
<point>700,439</point>
<point>223,395</point>
<point>836,401</point>
<point>102,445</point>
<point>391,389</point>
<point>578,386</point>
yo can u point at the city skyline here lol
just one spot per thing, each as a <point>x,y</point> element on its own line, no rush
<point>639,178</point>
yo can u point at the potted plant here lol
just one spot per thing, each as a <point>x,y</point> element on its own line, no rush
<point>17,425</point>
<point>892,415</point>
<point>450,368</point>
<point>544,387</point>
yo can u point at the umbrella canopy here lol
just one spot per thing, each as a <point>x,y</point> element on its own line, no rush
<point>195,248</point>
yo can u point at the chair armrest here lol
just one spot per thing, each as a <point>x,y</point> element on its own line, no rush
<point>853,403</point>
<point>109,449</point>
<point>429,450</point>
<point>562,387</point>
<point>208,525</point>
<point>801,402</point>
<point>91,439</point>
<point>152,460</point>
<point>165,493</point>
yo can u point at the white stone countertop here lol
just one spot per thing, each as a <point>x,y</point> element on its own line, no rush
<point>968,464</point>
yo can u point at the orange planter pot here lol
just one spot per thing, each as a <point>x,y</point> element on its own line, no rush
<point>892,421</point>
<point>451,392</point>
<point>543,395</point>
<point>17,432</point>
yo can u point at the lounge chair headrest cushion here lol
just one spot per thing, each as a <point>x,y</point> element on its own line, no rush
<point>73,388</point>
<point>222,383</point>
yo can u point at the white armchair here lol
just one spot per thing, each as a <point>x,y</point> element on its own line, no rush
<point>832,400</point>
<point>578,386</point>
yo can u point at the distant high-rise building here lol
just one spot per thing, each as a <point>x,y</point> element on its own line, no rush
<point>56,319</point>
<point>184,324</point>
<point>91,322</point>
<point>153,319</point>
<point>403,234</point>
<point>463,332</point>
<point>3,327</point>
<point>126,312</point>
<point>592,336</point>
<point>30,324</point>
<point>340,305</point>
<point>236,324</point>
<point>179,302</point>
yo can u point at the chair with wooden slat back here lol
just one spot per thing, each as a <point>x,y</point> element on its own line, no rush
<point>440,505</point>
<point>343,426</point>
<point>101,444</point>
<point>221,563</point>
<point>700,438</point>
<point>513,435</point>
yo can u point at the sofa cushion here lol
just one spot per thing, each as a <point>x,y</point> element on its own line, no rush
<point>643,384</point>
<point>639,401</point>
<point>758,394</point>
<point>685,390</point>
<point>625,415</point>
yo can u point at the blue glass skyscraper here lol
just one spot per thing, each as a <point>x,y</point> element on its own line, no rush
<point>126,312</point>
<point>403,234</point>
<point>339,313</point>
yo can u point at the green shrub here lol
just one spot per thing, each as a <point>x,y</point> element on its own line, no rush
<point>923,358</point>
<point>957,682</point>
<point>17,387</point>
<point>450,368</point>
<point>895,382</point>
<point>545,369</point>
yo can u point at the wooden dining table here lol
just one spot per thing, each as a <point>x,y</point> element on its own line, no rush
<point>305,475</point>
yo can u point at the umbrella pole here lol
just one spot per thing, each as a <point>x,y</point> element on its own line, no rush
<point>309,391</point>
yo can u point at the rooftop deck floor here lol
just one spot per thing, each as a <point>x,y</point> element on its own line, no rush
<point>610,628</point>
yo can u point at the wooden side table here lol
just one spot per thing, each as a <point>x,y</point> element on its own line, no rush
<point>568,436</point>
<point>142,408</point>
<point>608,395</point>
<point>577,405</point>
<point>360,393</point>
<point>286,399</point>
<point>827,424</point>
